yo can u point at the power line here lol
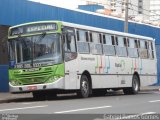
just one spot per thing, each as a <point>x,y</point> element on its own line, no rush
<point>138,7</point>
<point>130,5</point>
<point>122,3</point>
<point>144,9</point>
<point>143,13</point>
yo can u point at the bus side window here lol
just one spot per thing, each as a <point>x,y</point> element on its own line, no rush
<point>96,46</point>
<point>139,44</point>
<point>132,49</point>
<point>100,38</point>
<point>125,41</point>
<point>104,39</point>
<point>143,49</point>
<point>82,41</point>
<point>150,50</point>
<point>87,37</point>
<point>131,43</point>
<point>136,43</point>
<point>146,45</point>
<point>77,32</point>
<point>128,42</point>
<point>70,43</point>
<point>121,48</point>
<point>108,47</point>
<point>90,35</point>
<point>113,41</point>
<point>95,37</point>
<point>120,40</point>
<point>116,41</point>
<point>63,37</point>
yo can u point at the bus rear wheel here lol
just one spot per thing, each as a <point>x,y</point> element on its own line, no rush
<point>84,87</point>
<point>135,86</point>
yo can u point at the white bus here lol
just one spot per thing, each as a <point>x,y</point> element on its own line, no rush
<point>89,60</point>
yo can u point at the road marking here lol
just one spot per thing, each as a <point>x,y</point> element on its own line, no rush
<point>83,109</point>
<point>28,103</point>
<point>148,113</point>
<point>154,101</point>
<point>23,108</point>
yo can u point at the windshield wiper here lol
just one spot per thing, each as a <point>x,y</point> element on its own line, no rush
<point>43,60</point>
<point>40,37</point>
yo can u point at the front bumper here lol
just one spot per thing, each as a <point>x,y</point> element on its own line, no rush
<point>58,84</point>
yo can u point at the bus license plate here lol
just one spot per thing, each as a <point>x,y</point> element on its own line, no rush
<point>32,88</point>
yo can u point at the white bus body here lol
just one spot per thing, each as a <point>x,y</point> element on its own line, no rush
<point>111,71</point>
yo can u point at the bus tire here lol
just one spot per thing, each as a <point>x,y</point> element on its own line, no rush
<point>135,86</point>
<point>84,91</point>
<point>39,95</point>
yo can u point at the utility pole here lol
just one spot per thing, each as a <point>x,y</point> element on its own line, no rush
<point>126,17</point>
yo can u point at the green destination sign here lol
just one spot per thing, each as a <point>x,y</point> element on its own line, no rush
<point>34,28</point>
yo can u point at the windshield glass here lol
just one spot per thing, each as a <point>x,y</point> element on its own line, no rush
<point>28,51</point>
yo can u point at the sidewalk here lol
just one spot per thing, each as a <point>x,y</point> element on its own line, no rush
<point>150,88</point>
<point>7,97</point>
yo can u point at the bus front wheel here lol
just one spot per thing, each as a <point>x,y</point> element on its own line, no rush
<point>84,87</point>
<point>135,86</point>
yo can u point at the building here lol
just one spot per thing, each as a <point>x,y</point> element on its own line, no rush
<point>138,9</point>
<point>103,2</point>
<point>142,9</point>
<point>135,8</point>
<point>155,10</point>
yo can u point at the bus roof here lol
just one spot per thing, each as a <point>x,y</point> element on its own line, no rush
<point>106,31</point>
<point>84,27</point>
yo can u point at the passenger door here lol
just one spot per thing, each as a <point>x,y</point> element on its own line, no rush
<point>70,55</point>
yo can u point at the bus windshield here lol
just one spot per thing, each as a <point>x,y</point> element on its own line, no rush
<point>35,51</point>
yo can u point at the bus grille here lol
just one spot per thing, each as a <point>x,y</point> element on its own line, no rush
<point>33,78</point>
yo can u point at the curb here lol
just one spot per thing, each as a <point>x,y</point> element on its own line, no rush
<point>142,90</point>
<point>150,88</point>
<point>8,97</point>
<point>4,101</point>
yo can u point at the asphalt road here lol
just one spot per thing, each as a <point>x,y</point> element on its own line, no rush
<point>142,103</point>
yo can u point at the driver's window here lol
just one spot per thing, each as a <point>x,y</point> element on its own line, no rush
<point>70,45</point>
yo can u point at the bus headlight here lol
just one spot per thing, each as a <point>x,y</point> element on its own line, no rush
<point>53,79</point>
<point>15,83</point>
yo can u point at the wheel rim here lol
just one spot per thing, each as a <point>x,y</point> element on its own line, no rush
<point>135,84</point>
<point>85,87</point>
